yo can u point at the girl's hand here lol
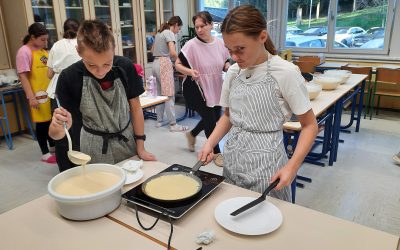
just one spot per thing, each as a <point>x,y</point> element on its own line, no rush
<point>33,103</point>
<point>286,174</point>
<point>206,154</point>
<point>195,75</point>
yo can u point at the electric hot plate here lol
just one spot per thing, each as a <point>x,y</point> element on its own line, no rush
<point>175,209</point>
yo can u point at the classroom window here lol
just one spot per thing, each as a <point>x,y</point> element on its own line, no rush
<point>220,8</point>
<point>343,26</point>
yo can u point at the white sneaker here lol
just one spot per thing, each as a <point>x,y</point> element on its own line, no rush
<point>177,128</point>
<point>159,124</point>
<point>396,158</point>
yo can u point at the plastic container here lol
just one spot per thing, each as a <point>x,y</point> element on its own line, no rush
<point>92,206</point>
<point>151,86</point>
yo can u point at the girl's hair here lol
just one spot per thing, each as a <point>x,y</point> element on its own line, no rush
<point>71,27</point>
<point>248,20</point>
<point>95,35</point>
<point>171,22</point>
<point>35,30</point>
<point>204,15</point>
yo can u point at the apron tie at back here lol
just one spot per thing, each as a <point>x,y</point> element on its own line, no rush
<point>107,136</point>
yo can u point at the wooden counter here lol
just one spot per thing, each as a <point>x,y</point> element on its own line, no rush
<point>37,225</point>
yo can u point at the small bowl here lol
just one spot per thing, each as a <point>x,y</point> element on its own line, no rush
<point>313,89</point>
<point>91,206</point>
<point>327,82</point>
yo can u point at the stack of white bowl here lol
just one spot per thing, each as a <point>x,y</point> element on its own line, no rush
<point>344,75</point>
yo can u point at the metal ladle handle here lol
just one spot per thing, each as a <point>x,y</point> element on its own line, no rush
<point>65,128</point>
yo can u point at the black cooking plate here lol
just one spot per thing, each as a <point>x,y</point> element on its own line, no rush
<point>175,209</point>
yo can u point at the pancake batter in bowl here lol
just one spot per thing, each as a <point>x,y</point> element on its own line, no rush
<point>87,183</point>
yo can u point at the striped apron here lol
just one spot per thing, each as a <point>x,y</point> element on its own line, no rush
<point>254,150</point>
<point>107,133</point>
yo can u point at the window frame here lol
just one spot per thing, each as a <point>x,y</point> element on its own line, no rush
<point>330,49</point>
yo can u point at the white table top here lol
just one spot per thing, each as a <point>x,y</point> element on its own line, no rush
<point>147,101</point>
<point>327,98</point>
<point>37,225</point>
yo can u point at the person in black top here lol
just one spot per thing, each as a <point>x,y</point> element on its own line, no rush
<point>99,98</point>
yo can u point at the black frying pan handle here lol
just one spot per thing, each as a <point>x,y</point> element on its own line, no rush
<point>197,166</point>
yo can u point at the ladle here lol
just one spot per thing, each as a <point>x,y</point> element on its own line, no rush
<point>75,157</point>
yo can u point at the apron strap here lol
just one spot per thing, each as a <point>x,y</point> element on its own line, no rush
<point>107,136</point>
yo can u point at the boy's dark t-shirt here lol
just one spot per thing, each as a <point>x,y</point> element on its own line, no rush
<point>69,91</point>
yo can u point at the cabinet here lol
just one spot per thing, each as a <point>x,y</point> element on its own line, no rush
<point>168,10</point>
<point>76,9</point>
<point>45,12</point>
<point>4,56</point>
<point>134,22</point>
<point>122,17</point>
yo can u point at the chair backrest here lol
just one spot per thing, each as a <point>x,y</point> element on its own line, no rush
<point>305,67</point>
<point>314,59</point>
<point>386,75</point>
<point>359,70</point>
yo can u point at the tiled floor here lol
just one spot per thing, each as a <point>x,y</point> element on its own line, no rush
<point>363,185</point>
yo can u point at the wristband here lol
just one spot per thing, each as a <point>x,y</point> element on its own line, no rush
<point>139,137</point>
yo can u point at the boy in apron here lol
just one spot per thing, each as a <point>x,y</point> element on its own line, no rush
<point>31,63</point>
<point>100,102</point>
<point>259,93</point>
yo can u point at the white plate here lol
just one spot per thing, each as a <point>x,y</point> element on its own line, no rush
<point>260,219</point>
<point>132,177</point>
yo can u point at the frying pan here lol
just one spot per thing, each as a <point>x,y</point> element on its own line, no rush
<point>190,175</point>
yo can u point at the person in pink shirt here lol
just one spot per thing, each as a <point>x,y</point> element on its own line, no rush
<point>31,63</point>
<point>202,61</point>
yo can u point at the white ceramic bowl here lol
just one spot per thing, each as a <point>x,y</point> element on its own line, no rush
<point>327,82</point>
<point>313,89</point>
<point>344,74</point>
<point>92,206</point>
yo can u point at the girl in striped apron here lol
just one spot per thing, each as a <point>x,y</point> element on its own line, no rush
<point>260,92</point>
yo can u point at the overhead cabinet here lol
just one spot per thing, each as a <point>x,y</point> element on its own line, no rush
<point>134,22</point>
